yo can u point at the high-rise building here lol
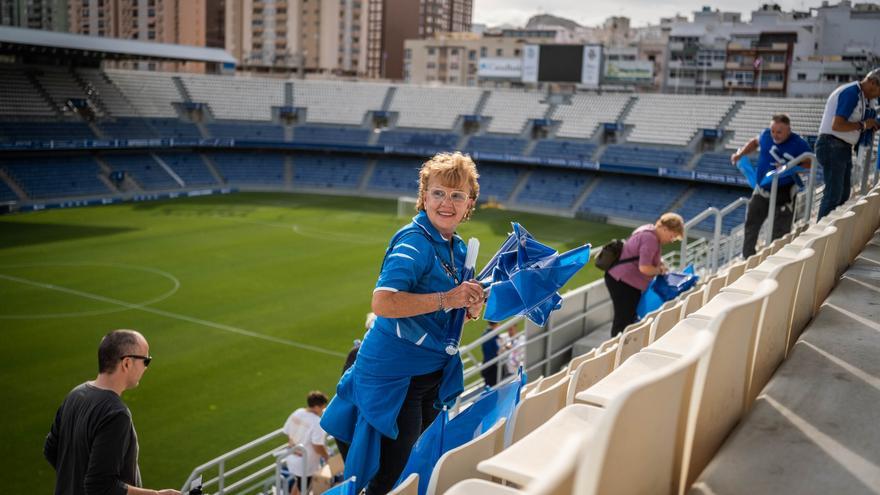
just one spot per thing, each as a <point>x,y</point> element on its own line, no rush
<point>34,14</point>
<point>298,35</point>
<point>189,22</point>
<point>391,22</point>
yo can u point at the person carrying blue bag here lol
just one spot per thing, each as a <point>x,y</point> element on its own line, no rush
<point>778,146</point>
<point>408,365</point>
<point>638,263</point>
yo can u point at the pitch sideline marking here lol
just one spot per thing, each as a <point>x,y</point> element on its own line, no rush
<point>176,316</point>
<point>97,312</point>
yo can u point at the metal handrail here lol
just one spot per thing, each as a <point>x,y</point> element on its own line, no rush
<point>774,187</point>
<point>219,463</point>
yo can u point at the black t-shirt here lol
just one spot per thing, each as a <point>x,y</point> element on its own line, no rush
<point>92,444</point>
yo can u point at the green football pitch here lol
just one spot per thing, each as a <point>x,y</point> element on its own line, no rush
<point>248,301</point>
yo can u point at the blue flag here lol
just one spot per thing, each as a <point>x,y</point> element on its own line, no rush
<point>665,288</point>
<point>347,487</point>
<point>748,170</point>
<point>524,277</point>
<point>444,435</point>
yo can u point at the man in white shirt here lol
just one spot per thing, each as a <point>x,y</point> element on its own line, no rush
<point>844,120</point>
<point>303,427</point>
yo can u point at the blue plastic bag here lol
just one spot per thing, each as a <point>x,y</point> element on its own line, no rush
<point>665,288</point>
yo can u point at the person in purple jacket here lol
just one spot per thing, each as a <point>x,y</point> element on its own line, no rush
<point>639,263</point>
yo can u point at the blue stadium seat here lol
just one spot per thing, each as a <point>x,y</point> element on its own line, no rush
<point>142,168</point>
<point>253,131</point>
<point>569,150</point>
<point>497,181</point>
<point>128,128</point>
<point>328,171</point>
<point>6,194</point>
<point>706,195</point>
<point>437,141</point>
<point>56,176</point>
<point>644,157</point>
<point>493,143</point>
<point>397,174</point>
<point>190,168</point>
<point>174,128</point>
<point>330,135</point>
<point>11,132</point>
<point>553,188</point>
<point>265,169</point>
<point>632,197</point>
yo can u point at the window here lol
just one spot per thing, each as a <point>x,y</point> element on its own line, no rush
<point>484,51</point>
<point>801,76</point>
<point>454,52</point>
<point>517,52</point>
<point>499,52</point>
<point>431,51</point>
<point>472,55</point>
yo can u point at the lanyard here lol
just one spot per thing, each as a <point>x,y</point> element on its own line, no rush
<point>450,270</point>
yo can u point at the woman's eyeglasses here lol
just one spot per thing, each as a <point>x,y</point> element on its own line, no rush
<point>146,359</point>
<point>439,195</point>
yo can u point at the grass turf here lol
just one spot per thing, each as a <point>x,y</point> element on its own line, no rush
<point>248,302</point>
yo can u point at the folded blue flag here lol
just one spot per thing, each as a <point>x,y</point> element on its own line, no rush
<point>524,277</point>
<point>748,170</point>
<point>767,180</point>
<point>444,434</point>
<point>665,288</point>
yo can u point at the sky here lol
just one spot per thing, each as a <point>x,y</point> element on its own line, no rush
<point>593,12</point>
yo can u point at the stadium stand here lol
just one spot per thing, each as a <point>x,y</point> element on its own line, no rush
<point>330,135</point>
<point>127,128</point>
<point>433,108</point>
<point>754,116</point>
<point>498,181</point>
<point>248,130</point>
<point>55,176</point>
<point>399,175</point>
<point>151,94</point>
<point>704,196</point>
<point>143,168</point>
<point>236,98</point>
<point>558,148</point>
<point>19,96</point>
<point>328,171</point>
<point>644,156</point>
<point>439,141</point>
<point>174,128</point>
<point>189,167</point>
<point>637,198</point>
<point>261,169</point>
<point>6,193</point>
<point>585,113</point>
<point>44,131</point>
<point>61,86</point>
<point>336,102</point>
<point>110,98</point>
<point>510,110</point>
<point>717,164</point>
<point>674,119</point>
<point>553,188</point>
<point>502,145</point>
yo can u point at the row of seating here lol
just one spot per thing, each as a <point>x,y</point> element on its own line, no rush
<point>646,411</point>
<point>644,156</point>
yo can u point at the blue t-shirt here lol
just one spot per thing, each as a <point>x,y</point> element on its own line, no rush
<point>419,260</point>
<point>772,153</point>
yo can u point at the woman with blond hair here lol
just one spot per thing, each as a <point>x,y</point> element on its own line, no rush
<point>404,371</point>
<point>639,262</point>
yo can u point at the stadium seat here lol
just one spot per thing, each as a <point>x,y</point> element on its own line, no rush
<point>409,486</point>
<point>721,387</point>
<point>529,388</point>
<point>735,271</point>
<point>809,286</point>
<point>553,379</point>
<point>714,285</point>
<point>845,222</point>
<point>632,340</point>
<point>666,319</point>
<point>753,261</point>
<point>461,462</point>
<point>771,341</point>
<point>827,270</point>
<point>535,409</point>
<point>692,302</point>
<point>577,360</point>
<point>635,423</point>
<point>589,372</point>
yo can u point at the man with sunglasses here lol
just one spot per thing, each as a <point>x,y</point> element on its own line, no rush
<point>92,444</point>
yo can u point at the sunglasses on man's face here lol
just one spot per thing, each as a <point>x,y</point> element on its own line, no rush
<point>439,195</point>
<point>145,359</point>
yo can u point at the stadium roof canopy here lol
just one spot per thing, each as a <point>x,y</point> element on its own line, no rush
<point>19,40</point>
